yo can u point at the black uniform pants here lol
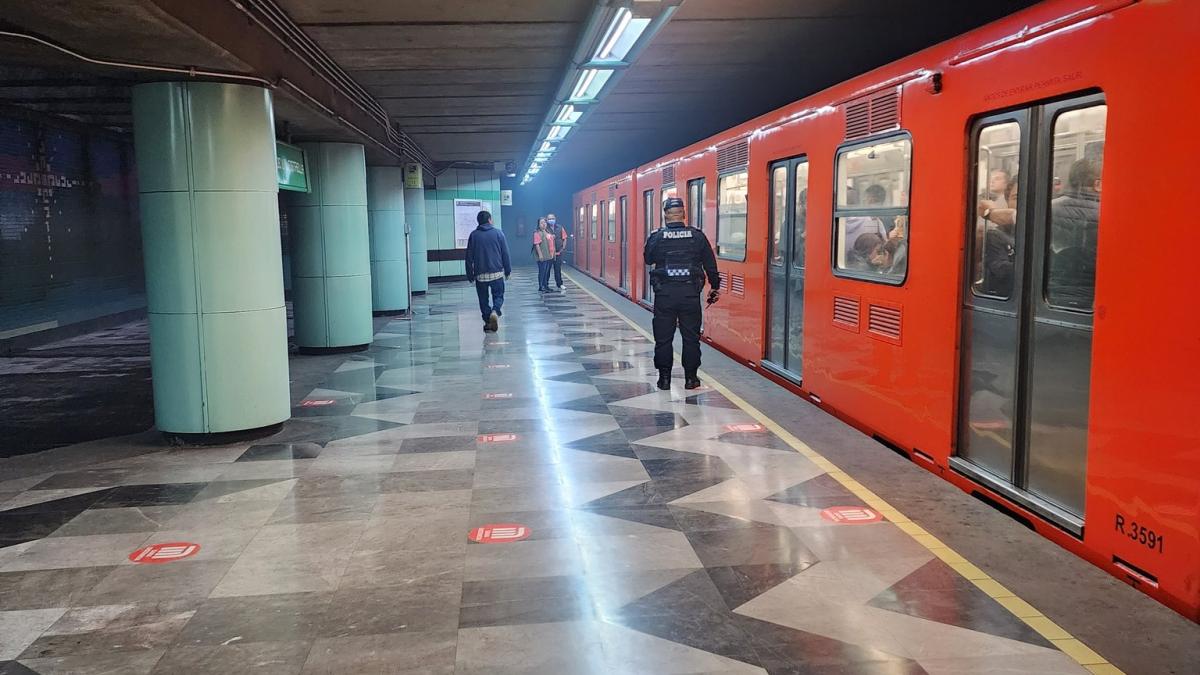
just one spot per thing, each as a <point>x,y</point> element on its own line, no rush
<point>677,304</point>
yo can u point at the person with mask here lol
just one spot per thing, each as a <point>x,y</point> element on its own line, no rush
<point>559,233</point>
<point>682,257</point>
<point>544,251</point>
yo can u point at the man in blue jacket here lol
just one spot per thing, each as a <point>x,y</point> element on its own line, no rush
<point>487,268</point>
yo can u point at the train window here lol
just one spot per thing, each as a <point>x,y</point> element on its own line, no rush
<point>695,212</point>
<point>778,214</point>
<point>648,211</point>
<point>1075,212</point>
<point>871,214</point>
<point>800,224</point>
<point>595,217</point>
<point>993,258</point>
<point>731,216</point>
<point>612,219</point>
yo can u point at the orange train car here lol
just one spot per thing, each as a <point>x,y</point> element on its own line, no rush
<point>977,254</point>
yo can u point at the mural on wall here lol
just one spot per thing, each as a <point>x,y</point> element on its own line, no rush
<point>70,243</point>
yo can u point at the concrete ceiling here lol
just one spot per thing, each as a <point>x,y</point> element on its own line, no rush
<point>471,80</point>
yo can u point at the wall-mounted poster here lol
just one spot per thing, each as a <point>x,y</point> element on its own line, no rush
<point>465,212</point>
<point>506,198</point>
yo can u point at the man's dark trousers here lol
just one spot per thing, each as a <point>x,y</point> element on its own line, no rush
<point>556,262</point>
<point>677,304</point>
<point>482,288</point>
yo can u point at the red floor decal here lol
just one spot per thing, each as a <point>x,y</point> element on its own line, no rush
<point>744,427</point>
<point>164,553</point>
<point>499,533</point>
<point>316,403</point>
<point>851,515</point>
<point>494,396</point>
<point>495,438</point>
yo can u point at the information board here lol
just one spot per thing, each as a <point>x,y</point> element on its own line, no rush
<point>465,212</point>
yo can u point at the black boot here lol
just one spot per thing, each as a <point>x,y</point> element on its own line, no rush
<point>664,379</point>
<point>690,381</point>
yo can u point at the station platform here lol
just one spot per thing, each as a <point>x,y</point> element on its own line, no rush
<point>454,501</point>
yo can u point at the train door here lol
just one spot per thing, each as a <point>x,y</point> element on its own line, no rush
<point>592,235</point>
<point>1027,314</point>
<point>575,235</point>
<point>785,267</point>
<point>605,226</point>
<point>649,209</point>
<point>624,243</point>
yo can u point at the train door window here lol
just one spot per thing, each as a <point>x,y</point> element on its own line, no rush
<point>800,221</point>
<point>993,259</point>
<point>779,196</point>
<point>731,216</point>
<point>595,218</point>
<point>612,219</point>
<point>871,212</point>
<point>695,211</point>
<point>1070,274</point>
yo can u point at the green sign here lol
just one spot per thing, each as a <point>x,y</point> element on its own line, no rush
<point>290,165</point>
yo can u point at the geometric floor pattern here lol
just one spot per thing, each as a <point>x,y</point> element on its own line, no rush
<point>668,533</point>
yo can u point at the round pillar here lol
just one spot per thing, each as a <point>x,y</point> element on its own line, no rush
<point>389,248</point>
<point>210,232</point>
<point>418,246</point>
<point>331,258</point>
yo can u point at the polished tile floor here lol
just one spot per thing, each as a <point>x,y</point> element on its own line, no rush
<point>637,531</point>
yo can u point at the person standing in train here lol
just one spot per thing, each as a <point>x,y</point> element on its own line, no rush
<point>682,257</point>
<point>560,244</point>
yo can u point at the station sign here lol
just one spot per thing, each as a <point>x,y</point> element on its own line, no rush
<point>291,168</point>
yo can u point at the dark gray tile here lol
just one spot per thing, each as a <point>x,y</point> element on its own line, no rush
<point>271,451</point>
<point>260,658</point>
<point>261,618</point>
<point>37,589</point>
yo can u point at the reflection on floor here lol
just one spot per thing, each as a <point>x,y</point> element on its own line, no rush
<point>635,531</point>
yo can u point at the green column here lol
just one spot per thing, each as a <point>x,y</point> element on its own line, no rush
<point>210,234</point>
<point>389,249</point>
<point>418,246</point>
<point>331,257</point>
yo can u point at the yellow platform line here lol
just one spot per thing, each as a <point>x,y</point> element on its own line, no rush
<point>1019,608</point>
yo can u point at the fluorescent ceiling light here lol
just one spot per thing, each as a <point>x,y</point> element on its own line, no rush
<point>622,35</point>
<point>590,84</point>
<point>546,147</point>
<point>558,133</point>
<point>620,22</point>
<point>585,81</point>
<point>568,115</point>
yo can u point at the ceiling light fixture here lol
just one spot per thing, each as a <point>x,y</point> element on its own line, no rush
<point>612,39</point>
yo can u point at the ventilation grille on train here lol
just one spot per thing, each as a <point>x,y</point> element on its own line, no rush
<point>612,188</point>
<point>725,281</point>
<point>872,114</point>
<point>737,285</point>
<point>845,312</point>
<point>733,156</point>
<point>884,321</point>
<point>668,175</point>
<point>593,195</point>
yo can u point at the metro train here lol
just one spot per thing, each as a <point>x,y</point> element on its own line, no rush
<point>978,255</point>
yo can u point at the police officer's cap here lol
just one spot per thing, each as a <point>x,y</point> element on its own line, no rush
<point>673,203</point>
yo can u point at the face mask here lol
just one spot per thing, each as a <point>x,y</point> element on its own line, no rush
<point>552,221</point>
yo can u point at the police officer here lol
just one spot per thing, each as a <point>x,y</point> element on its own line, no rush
<point>681,256</point>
